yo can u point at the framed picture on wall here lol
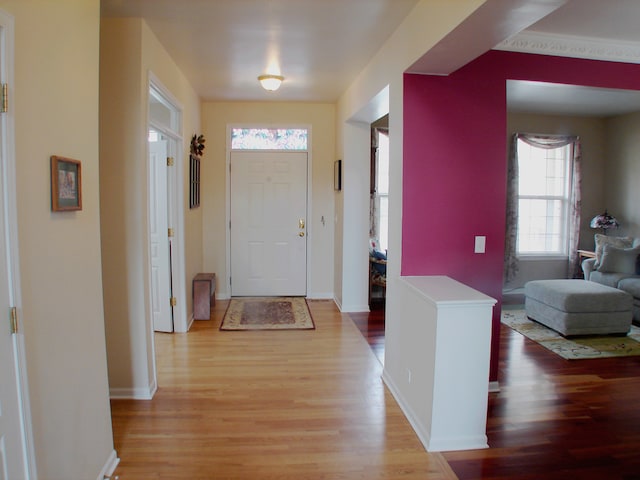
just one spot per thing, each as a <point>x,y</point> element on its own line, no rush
<point>66,184</point>
<point>337,175</point>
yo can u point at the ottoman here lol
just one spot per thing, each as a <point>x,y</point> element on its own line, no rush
<point>578,307</point>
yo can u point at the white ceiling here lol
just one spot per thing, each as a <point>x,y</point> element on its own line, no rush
<point>607,20</point>
<point>321,45</point>
<point>555,99</point>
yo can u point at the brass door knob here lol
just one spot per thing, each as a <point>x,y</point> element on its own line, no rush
<point>301,234</point>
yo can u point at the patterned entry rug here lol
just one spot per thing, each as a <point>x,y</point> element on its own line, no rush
<point>267,313</point>
<point>575,348</point>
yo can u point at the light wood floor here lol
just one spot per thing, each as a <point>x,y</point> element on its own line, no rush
<point>284,405</point>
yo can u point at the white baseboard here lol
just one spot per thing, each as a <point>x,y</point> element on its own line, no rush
<point>494,387</point>
<point>133,393</point>
<point>423,436</point>
<point>355,308</point>
<point>432,444</point>
<point>110,466</point>
<point>320,296</point>
<point>338,304</point>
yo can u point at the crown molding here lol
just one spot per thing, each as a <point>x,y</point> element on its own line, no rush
<point>572,46</point>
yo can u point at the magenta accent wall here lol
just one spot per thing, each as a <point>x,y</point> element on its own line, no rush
<point>455,163</point>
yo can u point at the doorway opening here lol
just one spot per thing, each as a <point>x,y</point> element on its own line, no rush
<point>372,323</point>
<point>379,213</point>
<point>165,206</point>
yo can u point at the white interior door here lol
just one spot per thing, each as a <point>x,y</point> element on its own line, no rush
<point>268,223</point>
<point>12,450</point>
<point>15,462</point>
<point>159,238</point>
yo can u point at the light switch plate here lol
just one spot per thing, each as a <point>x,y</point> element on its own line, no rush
<point>481,243</point>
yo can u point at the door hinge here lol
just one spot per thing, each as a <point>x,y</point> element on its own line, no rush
<point>170,161</point>
<point>173,301</point>
<point>5,98</point>
<point>170,232</point>
<point>14,319</point>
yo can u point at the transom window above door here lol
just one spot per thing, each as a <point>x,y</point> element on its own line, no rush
<point>269,139</point>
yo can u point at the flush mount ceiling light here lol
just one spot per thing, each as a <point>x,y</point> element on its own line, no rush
<point>271,83</point>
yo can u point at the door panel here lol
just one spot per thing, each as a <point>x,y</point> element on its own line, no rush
<point>268,205</point>
<point>12,463</point>
<point>159,239</point>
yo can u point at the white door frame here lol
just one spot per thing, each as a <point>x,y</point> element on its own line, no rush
<point>10,217</point>
<point>227,281</point>
<point>175,199</point>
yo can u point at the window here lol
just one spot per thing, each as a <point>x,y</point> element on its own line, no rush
<point>544,187</point>
<point>382,190</point>
<point>269,138</point>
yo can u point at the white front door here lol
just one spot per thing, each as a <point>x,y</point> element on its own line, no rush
<point>268,223</point>
<point>159,238</point>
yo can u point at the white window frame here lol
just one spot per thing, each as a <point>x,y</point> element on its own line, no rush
<point>565,202</point>
<point>378,195</point>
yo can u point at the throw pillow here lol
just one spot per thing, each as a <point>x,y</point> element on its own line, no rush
<point>602,240</point>
<point>381,268</point>
<point>619,260</point>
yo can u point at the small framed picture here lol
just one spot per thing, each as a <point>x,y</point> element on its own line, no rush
<point>66,184</point>
<point>337,175</point>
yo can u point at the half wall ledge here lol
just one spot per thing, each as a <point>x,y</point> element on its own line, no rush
<point>438,346</point>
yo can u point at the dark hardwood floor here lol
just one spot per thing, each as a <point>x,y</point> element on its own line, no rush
<point>553,418</point>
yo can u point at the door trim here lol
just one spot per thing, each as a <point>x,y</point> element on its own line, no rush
<point>8,166</point>
<point>227,280</point>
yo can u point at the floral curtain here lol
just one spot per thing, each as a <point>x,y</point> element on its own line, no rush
<point>511,237</point>
<point>575,205</point>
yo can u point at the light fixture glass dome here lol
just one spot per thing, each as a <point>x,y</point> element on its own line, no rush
<point>271,83</point>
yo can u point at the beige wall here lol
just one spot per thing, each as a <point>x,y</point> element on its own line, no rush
<point>216,116</point>
<point>129,51</point>
<point>56,112</point>
<point>622,172</point>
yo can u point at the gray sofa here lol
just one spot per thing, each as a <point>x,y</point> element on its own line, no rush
<point>617,265</point>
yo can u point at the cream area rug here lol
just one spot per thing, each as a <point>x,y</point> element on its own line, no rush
<point>574,348</point>
<point>267,313</point>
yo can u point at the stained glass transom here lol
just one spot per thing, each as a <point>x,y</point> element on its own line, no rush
<point>269,138</point>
